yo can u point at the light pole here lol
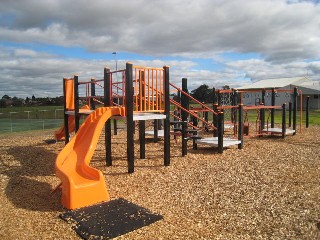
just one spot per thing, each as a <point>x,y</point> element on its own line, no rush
<point>117,89</point>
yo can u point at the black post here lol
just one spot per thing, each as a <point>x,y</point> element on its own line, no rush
<point>166,122</point>
<point>215,119</point>
<point>263,101</point>
<point>214,96</point>
<point>115,127</point>
<point>155,130</point>
<point>220,131</point>
<point>283,120</point>
<point>290,113</point>
<point>142,138</point>
<point>261,119</point>
<point>184,138</point>
<point>240,127</point>
<point>273,103</point>
<point>234,103</point>
<point>184,116</point>
<point>130,122</point>
<point>219,98</point>
<point>194,123</point>
<point>107,102</point>
<point>93,94</point>
<point>65,115</point>
<point>307,112</point>
<point>76,102</point>
<point>295,105</point>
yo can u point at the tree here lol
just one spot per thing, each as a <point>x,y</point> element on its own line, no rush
<point>202,93</point>
<point>17,102</point>
<point>6,97</point>
<point>3,103</point>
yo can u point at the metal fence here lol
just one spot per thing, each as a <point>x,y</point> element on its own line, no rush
<point>11,122</point>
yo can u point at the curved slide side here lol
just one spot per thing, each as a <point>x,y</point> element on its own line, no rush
<point>60,134</point>
<point>83,185</point>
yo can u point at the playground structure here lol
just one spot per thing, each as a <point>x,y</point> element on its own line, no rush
<point>142,94</point>
<point>263,125</point>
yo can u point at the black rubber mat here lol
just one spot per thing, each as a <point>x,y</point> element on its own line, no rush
<point>109,219</point>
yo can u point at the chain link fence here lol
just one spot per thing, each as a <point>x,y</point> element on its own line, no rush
<point>11,122</point>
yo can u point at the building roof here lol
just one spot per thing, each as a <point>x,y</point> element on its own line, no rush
<point>276,83</point>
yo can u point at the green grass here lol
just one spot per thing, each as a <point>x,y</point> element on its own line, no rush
<point>20,119</point>
<point>32,112</point>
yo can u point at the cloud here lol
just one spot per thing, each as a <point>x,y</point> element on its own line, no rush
<point>284,34</point>
<point>278,30</point>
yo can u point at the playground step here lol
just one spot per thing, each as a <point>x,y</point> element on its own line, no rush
<point>175,122</point>
<point>194,137</point>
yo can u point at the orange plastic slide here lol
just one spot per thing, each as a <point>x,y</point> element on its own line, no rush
<point>59,134</point>
<point>81,184</point>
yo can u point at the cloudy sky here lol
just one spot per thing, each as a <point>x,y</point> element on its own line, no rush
<point>216,42</point>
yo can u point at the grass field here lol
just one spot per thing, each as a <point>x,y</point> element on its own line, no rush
<point>19,119</point>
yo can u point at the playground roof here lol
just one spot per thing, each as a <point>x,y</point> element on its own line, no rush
<point>276,83</point>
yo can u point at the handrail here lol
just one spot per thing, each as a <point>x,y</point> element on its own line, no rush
<point>180,119</point>
<point>192,98</point>
<point>191,113</point>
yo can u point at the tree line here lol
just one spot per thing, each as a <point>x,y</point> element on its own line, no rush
<point>7,101</point>
<point>203,94</point>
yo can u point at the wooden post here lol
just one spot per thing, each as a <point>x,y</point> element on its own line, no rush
<point>215,120</point>
<point>295,105</point>
<point>184,116</point>
<point>142,138</point>
<point>107,102</point>
<point>220,131</point>
<point>290,113</point>
<point>284,120</point>
<point>93,94</point>
<point>194,123</point>
<point>240,126</point>
<point>166,124</point>
<point>273,103</point>
<point>130,122</point>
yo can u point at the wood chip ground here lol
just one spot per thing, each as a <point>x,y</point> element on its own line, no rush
<point>268,190</point>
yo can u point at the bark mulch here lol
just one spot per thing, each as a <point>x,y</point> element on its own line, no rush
<point>268,190</point>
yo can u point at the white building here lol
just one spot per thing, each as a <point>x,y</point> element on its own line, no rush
<point>305,86</point>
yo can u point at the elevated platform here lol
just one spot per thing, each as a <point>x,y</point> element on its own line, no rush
<point>213,141</point>
<point>148,116</point>
<point>278,131</point>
